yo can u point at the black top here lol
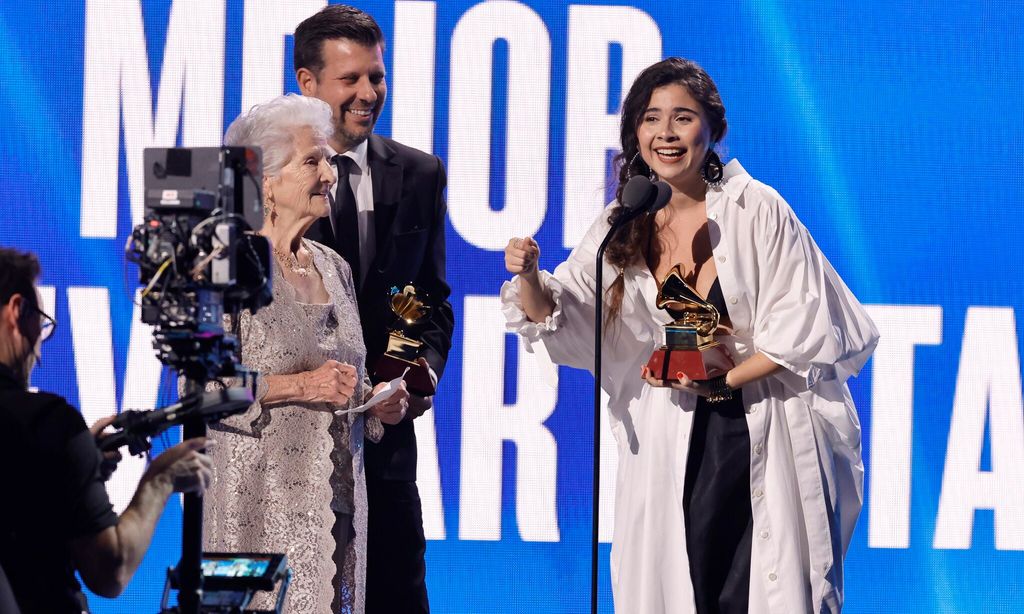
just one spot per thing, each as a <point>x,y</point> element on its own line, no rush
<point>52,493</point>
<point>716,499</point>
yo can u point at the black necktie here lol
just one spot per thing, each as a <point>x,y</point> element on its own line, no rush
<point>346,220</point>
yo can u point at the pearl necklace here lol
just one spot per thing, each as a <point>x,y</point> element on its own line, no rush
<point>289,260</point>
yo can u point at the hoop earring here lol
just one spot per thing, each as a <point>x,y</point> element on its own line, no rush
<point>650,171</point>
<point>712,171</point>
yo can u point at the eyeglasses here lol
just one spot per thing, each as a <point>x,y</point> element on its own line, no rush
<point>47,325</point>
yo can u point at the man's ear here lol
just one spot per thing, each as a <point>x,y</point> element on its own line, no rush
<point>307,81</point>
<point>10,313</point>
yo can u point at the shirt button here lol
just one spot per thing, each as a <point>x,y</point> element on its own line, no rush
<point>721,258</point>
<point>753,410</point>
<point>758,493</point>
<point>773,576</point>
<point>764,534</point>
<point>734,300</point>
<point>713,216</point>
<point>758,449</point>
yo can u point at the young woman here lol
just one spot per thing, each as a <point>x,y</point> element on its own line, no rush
<point>738,493</point>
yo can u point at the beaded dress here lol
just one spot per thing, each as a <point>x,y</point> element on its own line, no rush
<point>282,471</point>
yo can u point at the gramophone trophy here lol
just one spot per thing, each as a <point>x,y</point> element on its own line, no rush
<point>403,350</point>
<point>688,343</point>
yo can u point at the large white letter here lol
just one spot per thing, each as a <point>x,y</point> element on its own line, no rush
<point>412,74</point>
<point>94,365</point>
<point>428,476</point>
<point>892,417</point>
<point>267,22</point>
<point>987,384</point>
<point>591,128</point>
<point>487,422</point>
<point>469,148</point>
<point>117,82</point>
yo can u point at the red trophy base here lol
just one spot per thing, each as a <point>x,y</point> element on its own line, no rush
<point>417,380</point>
<point>703,364</point>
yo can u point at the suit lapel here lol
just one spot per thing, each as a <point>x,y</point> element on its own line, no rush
<point>386,177</point>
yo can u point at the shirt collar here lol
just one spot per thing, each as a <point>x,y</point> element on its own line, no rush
<point>734,178</point>
<point>357,153</point>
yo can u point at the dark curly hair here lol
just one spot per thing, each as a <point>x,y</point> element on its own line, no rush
<point>632,243</point>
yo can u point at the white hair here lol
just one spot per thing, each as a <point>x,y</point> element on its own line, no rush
<point>272,126</point>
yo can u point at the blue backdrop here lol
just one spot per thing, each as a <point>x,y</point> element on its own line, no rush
<point>893,129</point>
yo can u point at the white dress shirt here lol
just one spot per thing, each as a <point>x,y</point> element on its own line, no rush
<point>362,189</point>
<point>786,301</point>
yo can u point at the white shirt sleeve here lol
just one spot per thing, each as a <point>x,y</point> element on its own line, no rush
<point>806,319</point>
<point>568,333</point>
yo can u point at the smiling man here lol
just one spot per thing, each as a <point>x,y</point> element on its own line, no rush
<point>388,221</point>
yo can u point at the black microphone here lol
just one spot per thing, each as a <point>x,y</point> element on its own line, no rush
<point>641,195</point>
<point>662,197</point>
<point>638,194</point>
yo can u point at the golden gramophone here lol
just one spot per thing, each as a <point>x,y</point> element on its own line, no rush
<point>688,342</point>
<point>403,350</point>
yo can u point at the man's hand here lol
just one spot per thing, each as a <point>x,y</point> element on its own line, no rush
<point>184,467</point>
<point>391,410</point>
<point>110,458</point>
<point>419,405</point>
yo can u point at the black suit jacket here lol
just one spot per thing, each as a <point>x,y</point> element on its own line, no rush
<point>409,216</point>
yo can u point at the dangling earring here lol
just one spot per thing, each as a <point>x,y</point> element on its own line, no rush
<point>650,171</point>
<point>712,171</point>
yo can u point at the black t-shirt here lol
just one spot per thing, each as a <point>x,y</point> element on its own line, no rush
<point>50,493</point>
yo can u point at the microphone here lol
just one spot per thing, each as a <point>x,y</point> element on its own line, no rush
<point>638,194</point>
<point>641,195</point>
<point>662,197</point>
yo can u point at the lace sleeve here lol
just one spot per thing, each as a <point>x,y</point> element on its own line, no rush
<point>374,428</point>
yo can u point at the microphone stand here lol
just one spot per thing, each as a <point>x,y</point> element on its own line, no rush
<point>598,326</point>
<point>640,196</point>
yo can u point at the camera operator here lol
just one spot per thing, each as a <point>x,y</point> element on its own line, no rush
<point>56,517</point>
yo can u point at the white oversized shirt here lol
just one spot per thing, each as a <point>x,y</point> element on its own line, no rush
<point>806,475</point>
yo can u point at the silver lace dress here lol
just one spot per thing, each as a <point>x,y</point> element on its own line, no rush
<point>281,471</point>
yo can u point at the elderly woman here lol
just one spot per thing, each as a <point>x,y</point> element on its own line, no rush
<point>738,493</point>
<point>289,470</point>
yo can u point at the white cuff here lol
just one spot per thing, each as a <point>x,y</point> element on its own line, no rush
<point>515,317</point>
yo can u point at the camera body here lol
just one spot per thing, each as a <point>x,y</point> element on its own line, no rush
<point>197,255</point>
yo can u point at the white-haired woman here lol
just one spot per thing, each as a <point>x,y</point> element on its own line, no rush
<point>289,471</point>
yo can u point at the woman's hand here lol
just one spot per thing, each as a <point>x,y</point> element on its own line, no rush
<point>724,359</point>
<point>391,410</point>
<point>700,388</point>
<point>332,382</point>
<point>521,257</point>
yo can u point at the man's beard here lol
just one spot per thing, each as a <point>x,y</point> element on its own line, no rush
<point>351,138</point>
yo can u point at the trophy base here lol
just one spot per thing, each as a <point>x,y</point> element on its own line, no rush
<point>417,380</point>
<point>700,364</point>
